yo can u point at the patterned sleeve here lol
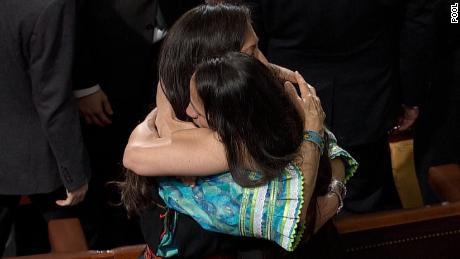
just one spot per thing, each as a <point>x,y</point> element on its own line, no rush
<point>270,211</point>
<point>217,203</point>
<point>337,152</point>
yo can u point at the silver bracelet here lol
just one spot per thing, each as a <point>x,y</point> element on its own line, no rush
<point>338,188</point>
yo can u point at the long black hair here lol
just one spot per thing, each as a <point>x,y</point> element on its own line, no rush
<point>252,114</point>
<point>203,32</point>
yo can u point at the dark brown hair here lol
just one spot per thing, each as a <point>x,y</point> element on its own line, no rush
<point>253,115</point>
<point>204,32</point>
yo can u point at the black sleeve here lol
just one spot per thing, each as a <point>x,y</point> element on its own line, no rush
<point>416,48</point>
<point>85,63</point>
<point>51,53</point>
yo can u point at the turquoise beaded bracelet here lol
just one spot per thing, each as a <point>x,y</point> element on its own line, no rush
<point>314,137</point>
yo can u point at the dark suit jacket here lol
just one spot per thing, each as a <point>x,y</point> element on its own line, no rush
<point>115,49</point>
<point>447,70</point>
<point>348,50</point>
<point>40,138</point>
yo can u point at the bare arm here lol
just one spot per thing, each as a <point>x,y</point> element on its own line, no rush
<point>310,107</point>
<point>166,149</point>
<point>187,152</point>
<point>329,203</point>
<point>196,152</point>
<point>162,145</point>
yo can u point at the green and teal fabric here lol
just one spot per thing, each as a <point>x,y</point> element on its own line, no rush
<point>270,211</point>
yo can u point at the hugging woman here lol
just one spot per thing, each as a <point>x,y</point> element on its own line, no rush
<point>256,148</point>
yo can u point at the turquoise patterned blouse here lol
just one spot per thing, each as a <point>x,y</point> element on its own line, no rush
<point>219,204</point>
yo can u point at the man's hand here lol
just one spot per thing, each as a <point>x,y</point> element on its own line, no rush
<point>407,118</point>
<point>95,108</point>
<point>75,197</point>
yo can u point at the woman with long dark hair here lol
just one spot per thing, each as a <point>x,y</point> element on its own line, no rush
<point>237,100</point>
<point>227,29</point>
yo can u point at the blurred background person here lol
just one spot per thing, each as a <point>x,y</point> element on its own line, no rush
<point>437,139</point>
<point>368,61</point>
<point>115,82</point>
<point>42,150</point>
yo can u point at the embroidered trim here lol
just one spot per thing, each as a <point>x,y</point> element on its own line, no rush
<point>351,165</point>
<point>298,230</point>
<point>244,203</point>
<point>259,210</point>
<point>271,210</point>
<point>264,214</point>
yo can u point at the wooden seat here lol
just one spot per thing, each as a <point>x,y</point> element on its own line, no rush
<point>445,181</point>
<point>91,254</point>
<point>128,252</point>
<point>428,232</point>
<point>66,235</point>
<point>124,252</point>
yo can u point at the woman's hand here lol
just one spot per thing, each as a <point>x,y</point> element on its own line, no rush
<point>308,104</point>
<point>283,73</point>
<point>167,125</point>
<point>327,209</point>
<point>166,121</point>
<point>145,132</point>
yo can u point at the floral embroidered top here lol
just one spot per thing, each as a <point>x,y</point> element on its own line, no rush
<point>270,211</point>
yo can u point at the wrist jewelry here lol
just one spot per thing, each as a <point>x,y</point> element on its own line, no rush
<point>314,137</point>
<point>338,188</point>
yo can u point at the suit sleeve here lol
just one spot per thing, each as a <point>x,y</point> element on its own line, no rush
<point>416,49</point>
<point>85,73</point>
<point>51,53</point>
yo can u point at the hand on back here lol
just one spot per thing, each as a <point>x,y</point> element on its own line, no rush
<point>308,104</point>
<point>166,121</point>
